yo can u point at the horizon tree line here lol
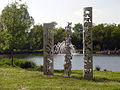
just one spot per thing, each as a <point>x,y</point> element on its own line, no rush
<point>18,33</point>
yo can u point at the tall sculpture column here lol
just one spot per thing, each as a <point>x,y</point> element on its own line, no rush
<point>68,56</point>
<point>87,44</point>
<point>48,39</point>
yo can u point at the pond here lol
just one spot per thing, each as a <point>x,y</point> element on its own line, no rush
<point>109,62</point>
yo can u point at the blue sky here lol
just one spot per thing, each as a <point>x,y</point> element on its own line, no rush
<point>63,11</point>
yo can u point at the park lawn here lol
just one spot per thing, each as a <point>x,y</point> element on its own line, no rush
<point>17,78</point>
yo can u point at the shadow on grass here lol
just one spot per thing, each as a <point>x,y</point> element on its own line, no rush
<point>73,71</point>
<point>96,79</point>
<point>59,71</point>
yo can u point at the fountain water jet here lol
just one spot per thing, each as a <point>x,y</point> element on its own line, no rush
<point>60,48</point>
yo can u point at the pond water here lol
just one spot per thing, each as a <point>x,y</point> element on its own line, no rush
<point>109,62</point>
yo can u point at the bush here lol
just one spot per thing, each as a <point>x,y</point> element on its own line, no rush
<point>24,63</point>
<point>105,69</point>
<point>5,62</point>
<point>97,68</point>
<point>19,63</point>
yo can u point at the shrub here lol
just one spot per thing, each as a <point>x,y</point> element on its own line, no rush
<point>97,68</point>
<point>5,62</point>
<point>24,63</point>
<point>18,62</point>
<point>105,69</point>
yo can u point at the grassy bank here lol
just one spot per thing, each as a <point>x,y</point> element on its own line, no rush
<point>18,78</point>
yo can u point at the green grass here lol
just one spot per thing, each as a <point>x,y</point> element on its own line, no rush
<point>17,78</point>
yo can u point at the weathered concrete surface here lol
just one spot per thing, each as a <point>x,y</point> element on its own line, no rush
<point>87,44</point>
<point>48,39</point>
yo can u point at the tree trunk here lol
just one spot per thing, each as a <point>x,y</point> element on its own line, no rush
<point>12,57</point>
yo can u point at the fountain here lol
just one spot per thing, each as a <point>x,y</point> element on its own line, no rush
<point>59,48</point>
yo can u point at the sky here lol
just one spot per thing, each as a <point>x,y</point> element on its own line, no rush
<point>63,11</point>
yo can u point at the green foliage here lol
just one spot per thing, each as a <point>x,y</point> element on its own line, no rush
<point>24,64</point>
<point>77,36</point>
<point>77,41</point>
<point>19,63</point>
<point>59,35</point>
<point>98,35</point>
<point>97,68</point>
<point>106,37</point>
<point>105,69</point>
<point>5,62</point>
<point>16,23</point>
<point>78,28</point>
<point>36,37</point>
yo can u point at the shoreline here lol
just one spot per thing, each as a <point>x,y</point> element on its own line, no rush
<point>109,52</point>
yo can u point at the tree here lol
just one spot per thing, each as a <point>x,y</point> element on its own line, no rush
<point>77,36</point>
<point>108,40</point>
<point>16,23</point>
<point>3,36</point>
<point>115,35</point>
<point>106,37</point>
<point>98,37</point>
<point>78,29</point>
<point>77,41</point>
<point>59,35</point>
<point>36,37</point>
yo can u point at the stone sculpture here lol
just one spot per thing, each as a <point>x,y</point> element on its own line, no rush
<point>87,44</point>
<point>48,39</point>
<point>68,56</point>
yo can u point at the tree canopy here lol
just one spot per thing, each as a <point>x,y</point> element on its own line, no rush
<point>16,22</point>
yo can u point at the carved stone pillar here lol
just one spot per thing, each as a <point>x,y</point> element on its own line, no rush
<point>68,56</point>
<point>48,42</point>
<point>87,44</point>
